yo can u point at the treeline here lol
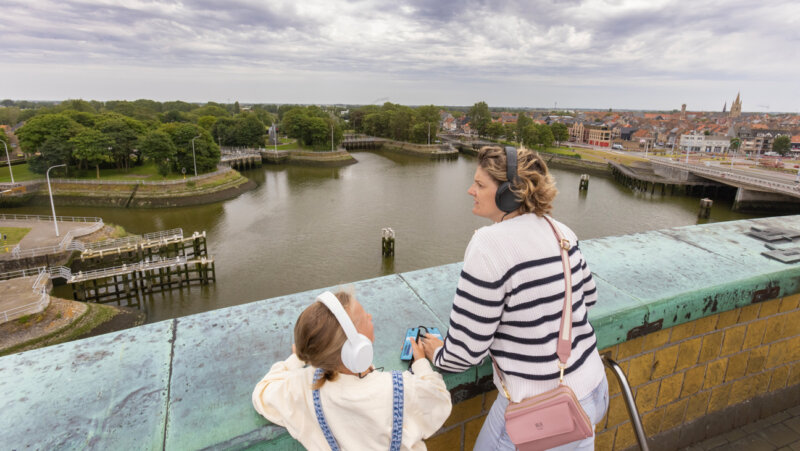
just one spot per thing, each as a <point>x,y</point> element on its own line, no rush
<point>121,134</point>
<point>312,126</point>
<point>397,122</point>
<point>525,131</point>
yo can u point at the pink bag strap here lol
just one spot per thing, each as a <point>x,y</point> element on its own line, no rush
<point>564,344</point>
<point>564,347</point>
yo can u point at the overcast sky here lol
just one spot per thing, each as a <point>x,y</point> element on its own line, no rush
<point>623,54</point>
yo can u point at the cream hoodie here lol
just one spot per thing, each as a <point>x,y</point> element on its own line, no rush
<point>358,410</point>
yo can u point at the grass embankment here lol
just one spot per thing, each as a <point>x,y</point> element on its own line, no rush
<point>147,171</point>
<point>86,324</point>
<point>13,235</point>
<point>21,173</point>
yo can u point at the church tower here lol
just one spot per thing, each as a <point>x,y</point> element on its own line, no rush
<point>736,108</point>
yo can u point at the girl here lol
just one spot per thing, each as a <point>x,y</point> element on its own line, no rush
<point>328,398</point>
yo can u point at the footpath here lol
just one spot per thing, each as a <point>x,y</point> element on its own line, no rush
<point>778,432</point>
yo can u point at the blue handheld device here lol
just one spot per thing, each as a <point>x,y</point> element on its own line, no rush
<point>412,334</point>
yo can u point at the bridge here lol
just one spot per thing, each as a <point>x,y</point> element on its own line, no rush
<point>361,141</point>
<point>704,324</point>
<point>762,192</point>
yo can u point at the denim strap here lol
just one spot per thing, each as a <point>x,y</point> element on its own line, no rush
<point>321,416</point>
<point>397,412</point>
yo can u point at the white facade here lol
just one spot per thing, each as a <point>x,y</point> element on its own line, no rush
<point>698,142</point>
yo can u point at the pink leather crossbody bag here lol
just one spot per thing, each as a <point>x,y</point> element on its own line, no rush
<point>554,417</point>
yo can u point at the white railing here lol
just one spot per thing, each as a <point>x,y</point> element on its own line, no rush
<point>220,170</point>
<point>153,263</point>
<point>132,241</point>
<point>59,271</point>
<point>7,217</point>
<point>168,234</point>
<point>67,243</point>
<point>39,286</point>
<point>785,188</point>
<point>22,273</point>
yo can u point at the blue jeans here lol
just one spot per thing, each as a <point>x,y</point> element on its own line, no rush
<point>493,435</point>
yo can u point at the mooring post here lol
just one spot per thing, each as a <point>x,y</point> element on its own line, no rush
<point>584,184</point>
<point>705,207</point>
<point>387,241</point>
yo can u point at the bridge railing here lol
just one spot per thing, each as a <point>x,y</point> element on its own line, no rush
<point>786,188</point>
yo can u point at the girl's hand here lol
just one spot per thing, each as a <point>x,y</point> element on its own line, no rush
<point>416,348</point>
<point>430,343</point>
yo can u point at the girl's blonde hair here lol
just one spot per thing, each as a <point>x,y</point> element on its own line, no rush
<point>318,338</point>
<point>535,187</point>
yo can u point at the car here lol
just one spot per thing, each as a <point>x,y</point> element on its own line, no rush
<point>617,147</point>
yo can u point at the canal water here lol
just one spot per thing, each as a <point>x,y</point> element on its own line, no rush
<point>304,228</point>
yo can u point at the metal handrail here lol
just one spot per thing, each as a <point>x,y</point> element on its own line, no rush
<point>39,286</point>
<point>8,217</point>
<point>630,402</point>
<point>787,188</point>
<point>220,170</point>
<point>22,273</point>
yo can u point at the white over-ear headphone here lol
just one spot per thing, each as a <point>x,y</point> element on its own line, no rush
<point>357,350</point>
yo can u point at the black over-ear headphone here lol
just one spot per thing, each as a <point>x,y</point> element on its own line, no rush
<point>505,199</point>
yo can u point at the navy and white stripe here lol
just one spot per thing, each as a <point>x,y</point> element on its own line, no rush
<point>509,300</point>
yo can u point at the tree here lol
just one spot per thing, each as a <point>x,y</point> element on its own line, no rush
<point>523,122</point>
<point>92,147</point>
<point>510,132</point>
<point>250,131</point>
<point>124,134</point>
<point>40,128</point>
<point>544,135</point>
<point>735,143</point>
<point>158,146</point>
<point>782,144</point>
<point>495,130</point>
<point>480,117</point>
<point>560,132</point>
<point>207,122</point>
<point>206,152</point>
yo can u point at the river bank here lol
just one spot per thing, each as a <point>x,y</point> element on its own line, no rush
<point>62,321</point>
<point>222,185</point>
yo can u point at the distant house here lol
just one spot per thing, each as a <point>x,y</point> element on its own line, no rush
<point>700,142</point>
<point>795,146</point>
<point>599,135</point>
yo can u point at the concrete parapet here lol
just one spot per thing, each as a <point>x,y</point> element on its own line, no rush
<point>701,322</point>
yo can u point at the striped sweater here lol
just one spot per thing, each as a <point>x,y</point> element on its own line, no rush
<point>509,301</point>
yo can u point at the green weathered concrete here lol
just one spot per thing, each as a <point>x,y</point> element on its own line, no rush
<point>186,383</point>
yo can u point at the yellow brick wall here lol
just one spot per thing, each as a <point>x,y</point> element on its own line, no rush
<point>682,373</point>
<point>678,374</point>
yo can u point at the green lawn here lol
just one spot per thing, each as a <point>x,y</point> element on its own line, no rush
<point>147,171</point>
<point>20,171</point>
<point>13,236</point>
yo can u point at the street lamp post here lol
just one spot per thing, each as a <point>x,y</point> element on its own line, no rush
<point>193,156</point>
<point>50,190</point>
<point>8,159</point>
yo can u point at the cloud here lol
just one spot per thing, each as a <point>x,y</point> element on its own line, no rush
<point>602,42</point>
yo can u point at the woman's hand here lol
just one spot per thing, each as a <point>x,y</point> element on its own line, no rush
<point>430,343</point>
<point>416,348</point>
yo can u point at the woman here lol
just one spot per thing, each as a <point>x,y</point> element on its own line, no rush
<point>359,409</point>
<point>511,293</point>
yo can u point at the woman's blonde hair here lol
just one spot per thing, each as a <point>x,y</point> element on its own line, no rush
<point>318,338</point>
<point>535,187</point>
